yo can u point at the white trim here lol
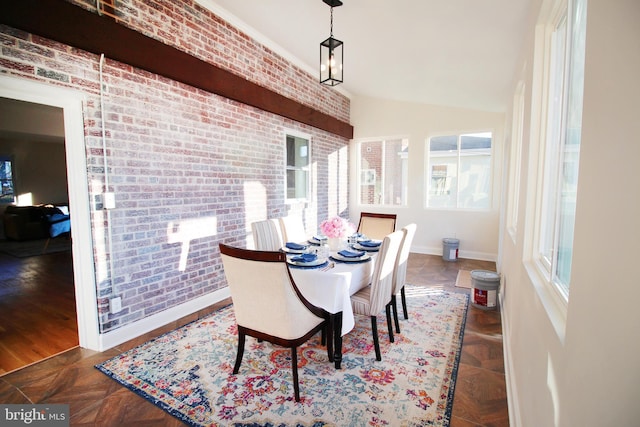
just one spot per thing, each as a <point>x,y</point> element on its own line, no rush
<point>515,160</point>
<point>133,330</point>
<point>480,256</point>
<point>83,263</point>
<point>358,172</point>
<point>493,192</point>
<point>515,419</point>
<point>554,304</point>
<point>310,196</point>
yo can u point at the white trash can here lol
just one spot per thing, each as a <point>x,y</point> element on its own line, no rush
<point>484,289</point>
<point>450,249</point>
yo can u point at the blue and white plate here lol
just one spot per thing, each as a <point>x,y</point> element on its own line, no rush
<point>360,247</point>
<point>316,241</point>
<point>316,262</point>
<point>338,257</point>
<point>295,251</point>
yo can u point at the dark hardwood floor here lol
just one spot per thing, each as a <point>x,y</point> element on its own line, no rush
<point>37,309</point>
<point>94,399</point>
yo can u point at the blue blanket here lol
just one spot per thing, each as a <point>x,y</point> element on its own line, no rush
<point>58,224</point>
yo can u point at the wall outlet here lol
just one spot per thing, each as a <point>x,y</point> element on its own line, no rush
<point>109,200</point>
<point>115,305</point>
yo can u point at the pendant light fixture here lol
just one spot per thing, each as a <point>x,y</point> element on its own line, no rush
<point>331,54</point>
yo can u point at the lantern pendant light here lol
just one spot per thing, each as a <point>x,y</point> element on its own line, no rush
<point>331,54</point>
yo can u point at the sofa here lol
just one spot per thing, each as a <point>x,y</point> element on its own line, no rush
<point>29,222</point>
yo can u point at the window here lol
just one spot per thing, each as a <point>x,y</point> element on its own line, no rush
<point>6,180</point>
<point>562,122</point>
<point>459,171</point>
<point>298,155</point>
<point>515,160</point>
<point>382,171</point>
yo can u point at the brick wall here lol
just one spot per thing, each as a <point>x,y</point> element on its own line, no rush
<point>176,154</point>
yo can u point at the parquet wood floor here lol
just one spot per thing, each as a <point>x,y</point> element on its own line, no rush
<point>94,399</point>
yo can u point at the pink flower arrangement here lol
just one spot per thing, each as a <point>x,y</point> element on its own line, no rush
<point>337,227</point>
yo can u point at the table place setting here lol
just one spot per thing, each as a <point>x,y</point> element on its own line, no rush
<point>307,260</point>
<point>294,248</point>
<point>346,255</point>
<point>318,240</point>
<point>367,245</point>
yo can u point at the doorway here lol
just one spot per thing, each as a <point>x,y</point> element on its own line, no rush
<point>71,103</point>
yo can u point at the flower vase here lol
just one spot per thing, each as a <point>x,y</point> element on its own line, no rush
<point>335,243</point>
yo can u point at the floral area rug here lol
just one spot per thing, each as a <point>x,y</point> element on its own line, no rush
<point>188,372</point>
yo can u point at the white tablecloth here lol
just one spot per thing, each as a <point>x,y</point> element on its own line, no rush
<point>333,288</point>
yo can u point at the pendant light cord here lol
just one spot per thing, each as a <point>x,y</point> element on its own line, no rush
<point>331,28</point>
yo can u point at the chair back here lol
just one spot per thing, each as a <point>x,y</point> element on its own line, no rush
<point>293,229</point>
<point>265,297</point>
<point>400,276</point>
<point>267,235</point>
<point>376,225</point>
<point>383,273</point>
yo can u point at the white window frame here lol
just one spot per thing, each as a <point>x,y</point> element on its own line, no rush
<point>367,176</point>
<point>307,168</point>
<point>553,296</point>
<point>427,171</point>
<point>515,161</point>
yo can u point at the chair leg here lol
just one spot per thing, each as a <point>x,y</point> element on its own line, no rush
<point>394,308</point>
<point>236,367</point>
<point>294,368</point>
<point>389,323</point>
<point>374,331</point>
<point>404,303</point>
<point>330,337</point>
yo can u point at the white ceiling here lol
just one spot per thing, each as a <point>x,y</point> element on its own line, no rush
<point>460,53</point>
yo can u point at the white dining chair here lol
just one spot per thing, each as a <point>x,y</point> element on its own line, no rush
<point>293,229</point>
<point>267,235</point>
<point>400,275</point>
<point>370,300</point>
<point>376,225</point>
<point>286,319</point>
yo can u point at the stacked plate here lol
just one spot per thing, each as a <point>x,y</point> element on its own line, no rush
<point>351,256</point>
<point>318,240</point>
<point>306,260</point>
<point>368,245</point>
<point>294,248</point>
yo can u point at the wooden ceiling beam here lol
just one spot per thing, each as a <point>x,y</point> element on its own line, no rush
<point>72,25</point>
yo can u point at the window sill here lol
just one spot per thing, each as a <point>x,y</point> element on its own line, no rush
<point>553,302</point>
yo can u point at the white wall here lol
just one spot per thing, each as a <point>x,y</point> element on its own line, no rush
<point>40,168</point>
<point>477,231</point>
<point>582,371</point>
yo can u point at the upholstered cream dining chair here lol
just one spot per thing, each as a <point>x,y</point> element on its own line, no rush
<point>267,235</point>
<point>370,300</point>
<point>285,318</point>
<point>400,275</point>
<point>293,229</point>
<point>376,225</point>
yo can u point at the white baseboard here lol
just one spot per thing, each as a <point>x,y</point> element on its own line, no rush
<point>134,330</point>
<point>512,394</point>
<point>480,256</point>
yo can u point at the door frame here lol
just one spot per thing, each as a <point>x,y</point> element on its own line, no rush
<point>71,102</point>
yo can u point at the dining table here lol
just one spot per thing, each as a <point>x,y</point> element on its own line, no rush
<point>330,286</point>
